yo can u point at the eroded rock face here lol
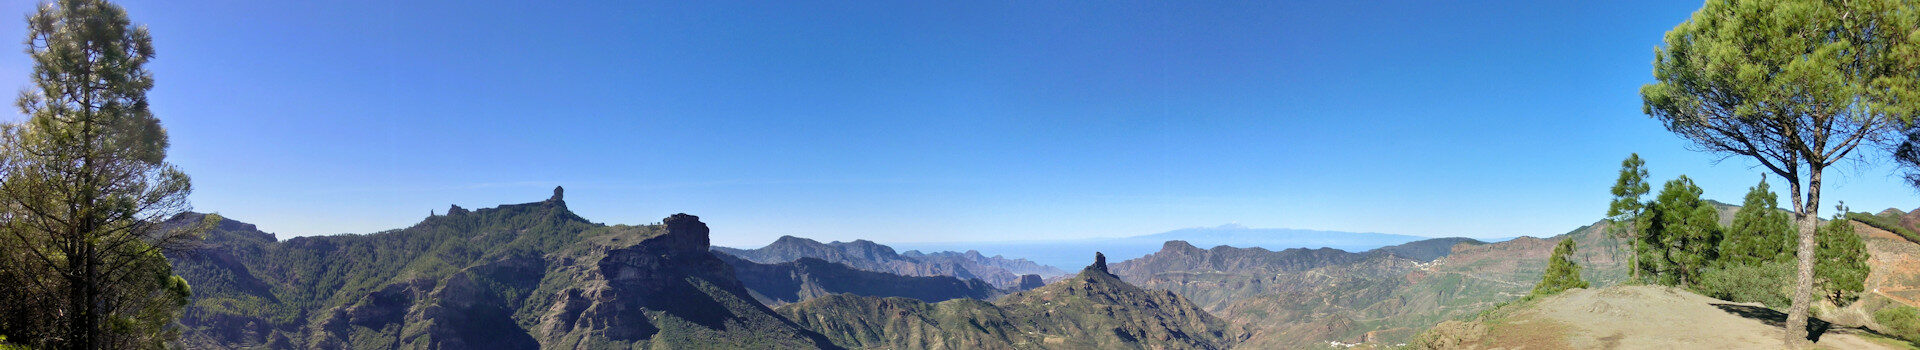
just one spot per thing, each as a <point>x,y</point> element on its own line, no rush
<point>665,290</point>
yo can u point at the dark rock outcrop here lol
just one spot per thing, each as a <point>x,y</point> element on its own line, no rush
<point>1030,282</point>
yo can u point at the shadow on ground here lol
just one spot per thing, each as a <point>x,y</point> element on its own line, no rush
<point>1815,326</point>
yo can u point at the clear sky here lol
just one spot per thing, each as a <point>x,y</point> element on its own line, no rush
<point>904,121</point>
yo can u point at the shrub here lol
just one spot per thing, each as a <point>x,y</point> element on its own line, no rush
<point>1764,283</point>
<point>1900,321</point>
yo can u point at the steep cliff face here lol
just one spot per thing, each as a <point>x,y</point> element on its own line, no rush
<point>1093,310</point>
<point>808,278</point>
<point>667,291</point>
<point>867,255</point>
<point>520,276</point>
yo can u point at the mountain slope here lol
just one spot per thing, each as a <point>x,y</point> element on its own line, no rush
<point>808,278</point>
<point>1093,310</point>
<point>870,256</point>
<point>1301,298</point>
<point>528,275</point>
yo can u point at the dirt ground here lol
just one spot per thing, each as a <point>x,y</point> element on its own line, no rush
<point>1650,317</point>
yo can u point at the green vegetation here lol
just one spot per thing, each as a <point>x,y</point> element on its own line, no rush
<point>1764,282</point>
<point>1681,237</point>
<point>1562,274</point>
<point>1761,233</point>
<point>1626,208</point>
<point>1888,223</point>
<point>1900,321</point>
<point>1841,270</point>
<point>1749,261</point>
<point>84,185</point>
<point>1796,86</point>
<point>1756,257</point>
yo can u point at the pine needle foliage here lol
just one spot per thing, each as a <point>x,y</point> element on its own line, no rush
<point>1562,274</point>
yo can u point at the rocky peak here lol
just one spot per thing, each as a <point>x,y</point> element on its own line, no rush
<point>1099,263</point>
<point>1179,246</point>
<point>791,241</point>
<point>684,232</point>
<point>558,193</point>
<point>456,210</point>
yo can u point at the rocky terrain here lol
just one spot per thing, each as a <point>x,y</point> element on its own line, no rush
<point>867,255</point>
<point>808,278</point>
<point>1092,310</point>
<point>517,276</point>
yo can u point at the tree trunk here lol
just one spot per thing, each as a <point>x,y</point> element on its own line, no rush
<point>1806,218</point>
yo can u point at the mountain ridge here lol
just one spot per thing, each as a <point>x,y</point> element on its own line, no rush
<point>870,256</point>
<point>513,276</point>
<point>1093,309</point>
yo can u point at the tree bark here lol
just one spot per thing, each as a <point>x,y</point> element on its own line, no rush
<point>1806,217</point>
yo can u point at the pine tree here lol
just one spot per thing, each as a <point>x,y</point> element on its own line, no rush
<point>1796,86</point>
<point>1840,270</point>
<point>1760,233</point>
<point>84,186</point>
<point>1681,234</point>
<point>1562,274</point>
<point>1624,212</point>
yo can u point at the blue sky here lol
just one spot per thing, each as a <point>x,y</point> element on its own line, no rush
<point>925,121</point>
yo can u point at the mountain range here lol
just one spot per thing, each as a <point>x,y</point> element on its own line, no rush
<point>535,275</point>
<point>870,256</point>
<point>1310,298</point>
<point>1070,252</point>
<point>1092,310</point>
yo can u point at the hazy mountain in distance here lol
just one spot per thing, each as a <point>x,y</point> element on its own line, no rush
<point>1068,252</point>
<point>866,255</point>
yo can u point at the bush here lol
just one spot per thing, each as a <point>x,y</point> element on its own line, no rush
<point>1764,283</point>
<point>1900,321</point>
